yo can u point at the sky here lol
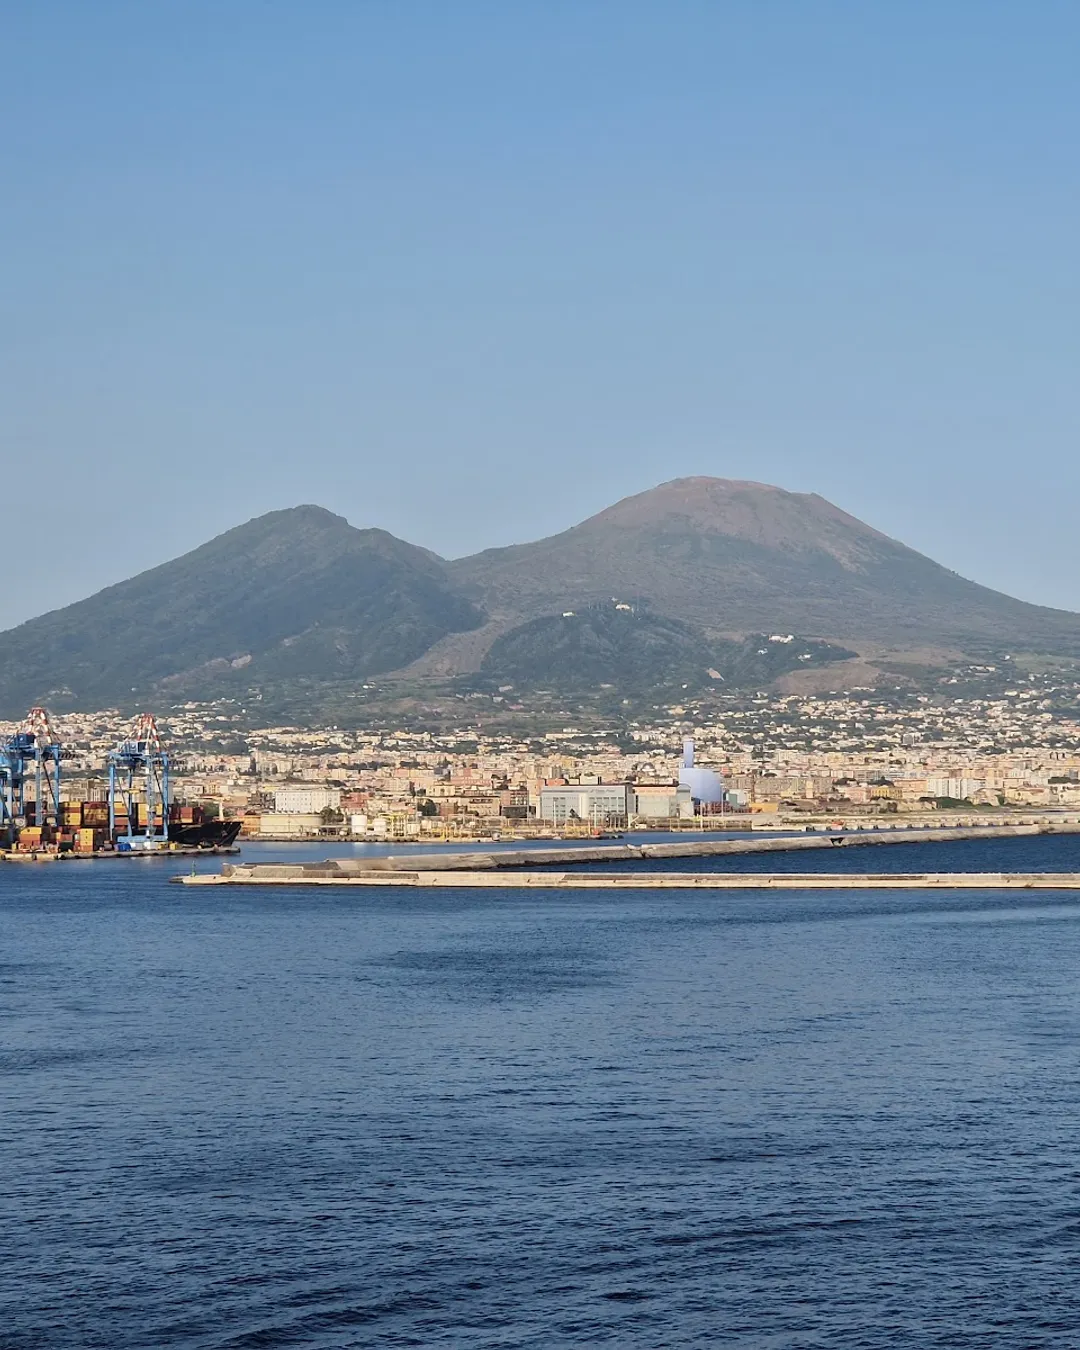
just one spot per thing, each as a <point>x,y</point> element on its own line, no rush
<point>472,271</point>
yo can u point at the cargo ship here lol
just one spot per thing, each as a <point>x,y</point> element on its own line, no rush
<point>205,834</point>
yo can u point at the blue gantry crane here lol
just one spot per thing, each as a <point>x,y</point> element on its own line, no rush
<point>7,819</point>
<point>139,767</point>
<point>31,756</point>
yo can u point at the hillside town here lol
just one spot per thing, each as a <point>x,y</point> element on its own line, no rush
<point>768,759</point>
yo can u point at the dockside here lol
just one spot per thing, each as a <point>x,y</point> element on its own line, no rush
<point>50,856</point>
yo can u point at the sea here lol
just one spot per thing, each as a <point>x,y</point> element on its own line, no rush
<point>242,1119</point>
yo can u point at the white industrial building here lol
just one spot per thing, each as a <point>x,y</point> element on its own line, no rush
<point>289,824</point>
<point>704,785</point>
<point>304,800</point>
<point>591,803</point>
<point>662,801</point>
<point>605,804</point>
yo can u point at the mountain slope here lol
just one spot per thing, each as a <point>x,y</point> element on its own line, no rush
<point>641,653</point>
<point>579,650</point>
<point>738,557</point>
<point>296,593</point>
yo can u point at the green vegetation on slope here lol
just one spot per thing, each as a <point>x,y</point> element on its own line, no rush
<point>636,651</point>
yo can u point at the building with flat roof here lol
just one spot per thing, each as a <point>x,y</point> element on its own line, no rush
<point>306,799</point>
<point>590,803</point>
<point>662,801</point>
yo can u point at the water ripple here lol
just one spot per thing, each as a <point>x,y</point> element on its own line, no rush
<point>526,1120</point>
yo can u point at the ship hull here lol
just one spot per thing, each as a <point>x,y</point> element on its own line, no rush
<point>207,834</point>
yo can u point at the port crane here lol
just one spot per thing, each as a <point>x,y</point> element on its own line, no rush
<point>32,755</point>
<point>140,764</point>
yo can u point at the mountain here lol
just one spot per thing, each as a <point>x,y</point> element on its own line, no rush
<point>299,602</point>
<point>641,653</point>
<point>291,595</point>
<point>735,557</point>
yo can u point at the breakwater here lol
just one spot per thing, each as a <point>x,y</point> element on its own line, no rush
<point>506,864</point>
<point>678,881</point>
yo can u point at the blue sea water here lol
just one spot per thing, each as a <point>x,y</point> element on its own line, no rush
<point>249,1119</point>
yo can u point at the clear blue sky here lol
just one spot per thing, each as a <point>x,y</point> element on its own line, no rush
<point>471,271</point>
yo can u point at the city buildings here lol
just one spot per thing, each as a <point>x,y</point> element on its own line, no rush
<point>975,745</point>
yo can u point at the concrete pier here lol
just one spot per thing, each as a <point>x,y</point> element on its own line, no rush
<point>646,881</point>
<point>505,866</point>
<point>506,861</point>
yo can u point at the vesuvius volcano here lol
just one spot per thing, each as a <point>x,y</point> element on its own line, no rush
<point>302,595</point>
<point>737,557</point>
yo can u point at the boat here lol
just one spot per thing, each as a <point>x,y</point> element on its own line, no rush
<point>205,833</point>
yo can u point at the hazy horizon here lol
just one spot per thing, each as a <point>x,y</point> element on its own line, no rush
<point>473,273</point>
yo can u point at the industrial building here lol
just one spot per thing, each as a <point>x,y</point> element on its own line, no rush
<point>287,824</point>
<point>663,801</point>
<point>597,804</point>
<point>704,785</point>
<point>306,800</point>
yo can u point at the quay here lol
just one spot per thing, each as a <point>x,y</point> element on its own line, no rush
<point>508,863</point>
<point>668,881</point>
<point>51,856</point>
